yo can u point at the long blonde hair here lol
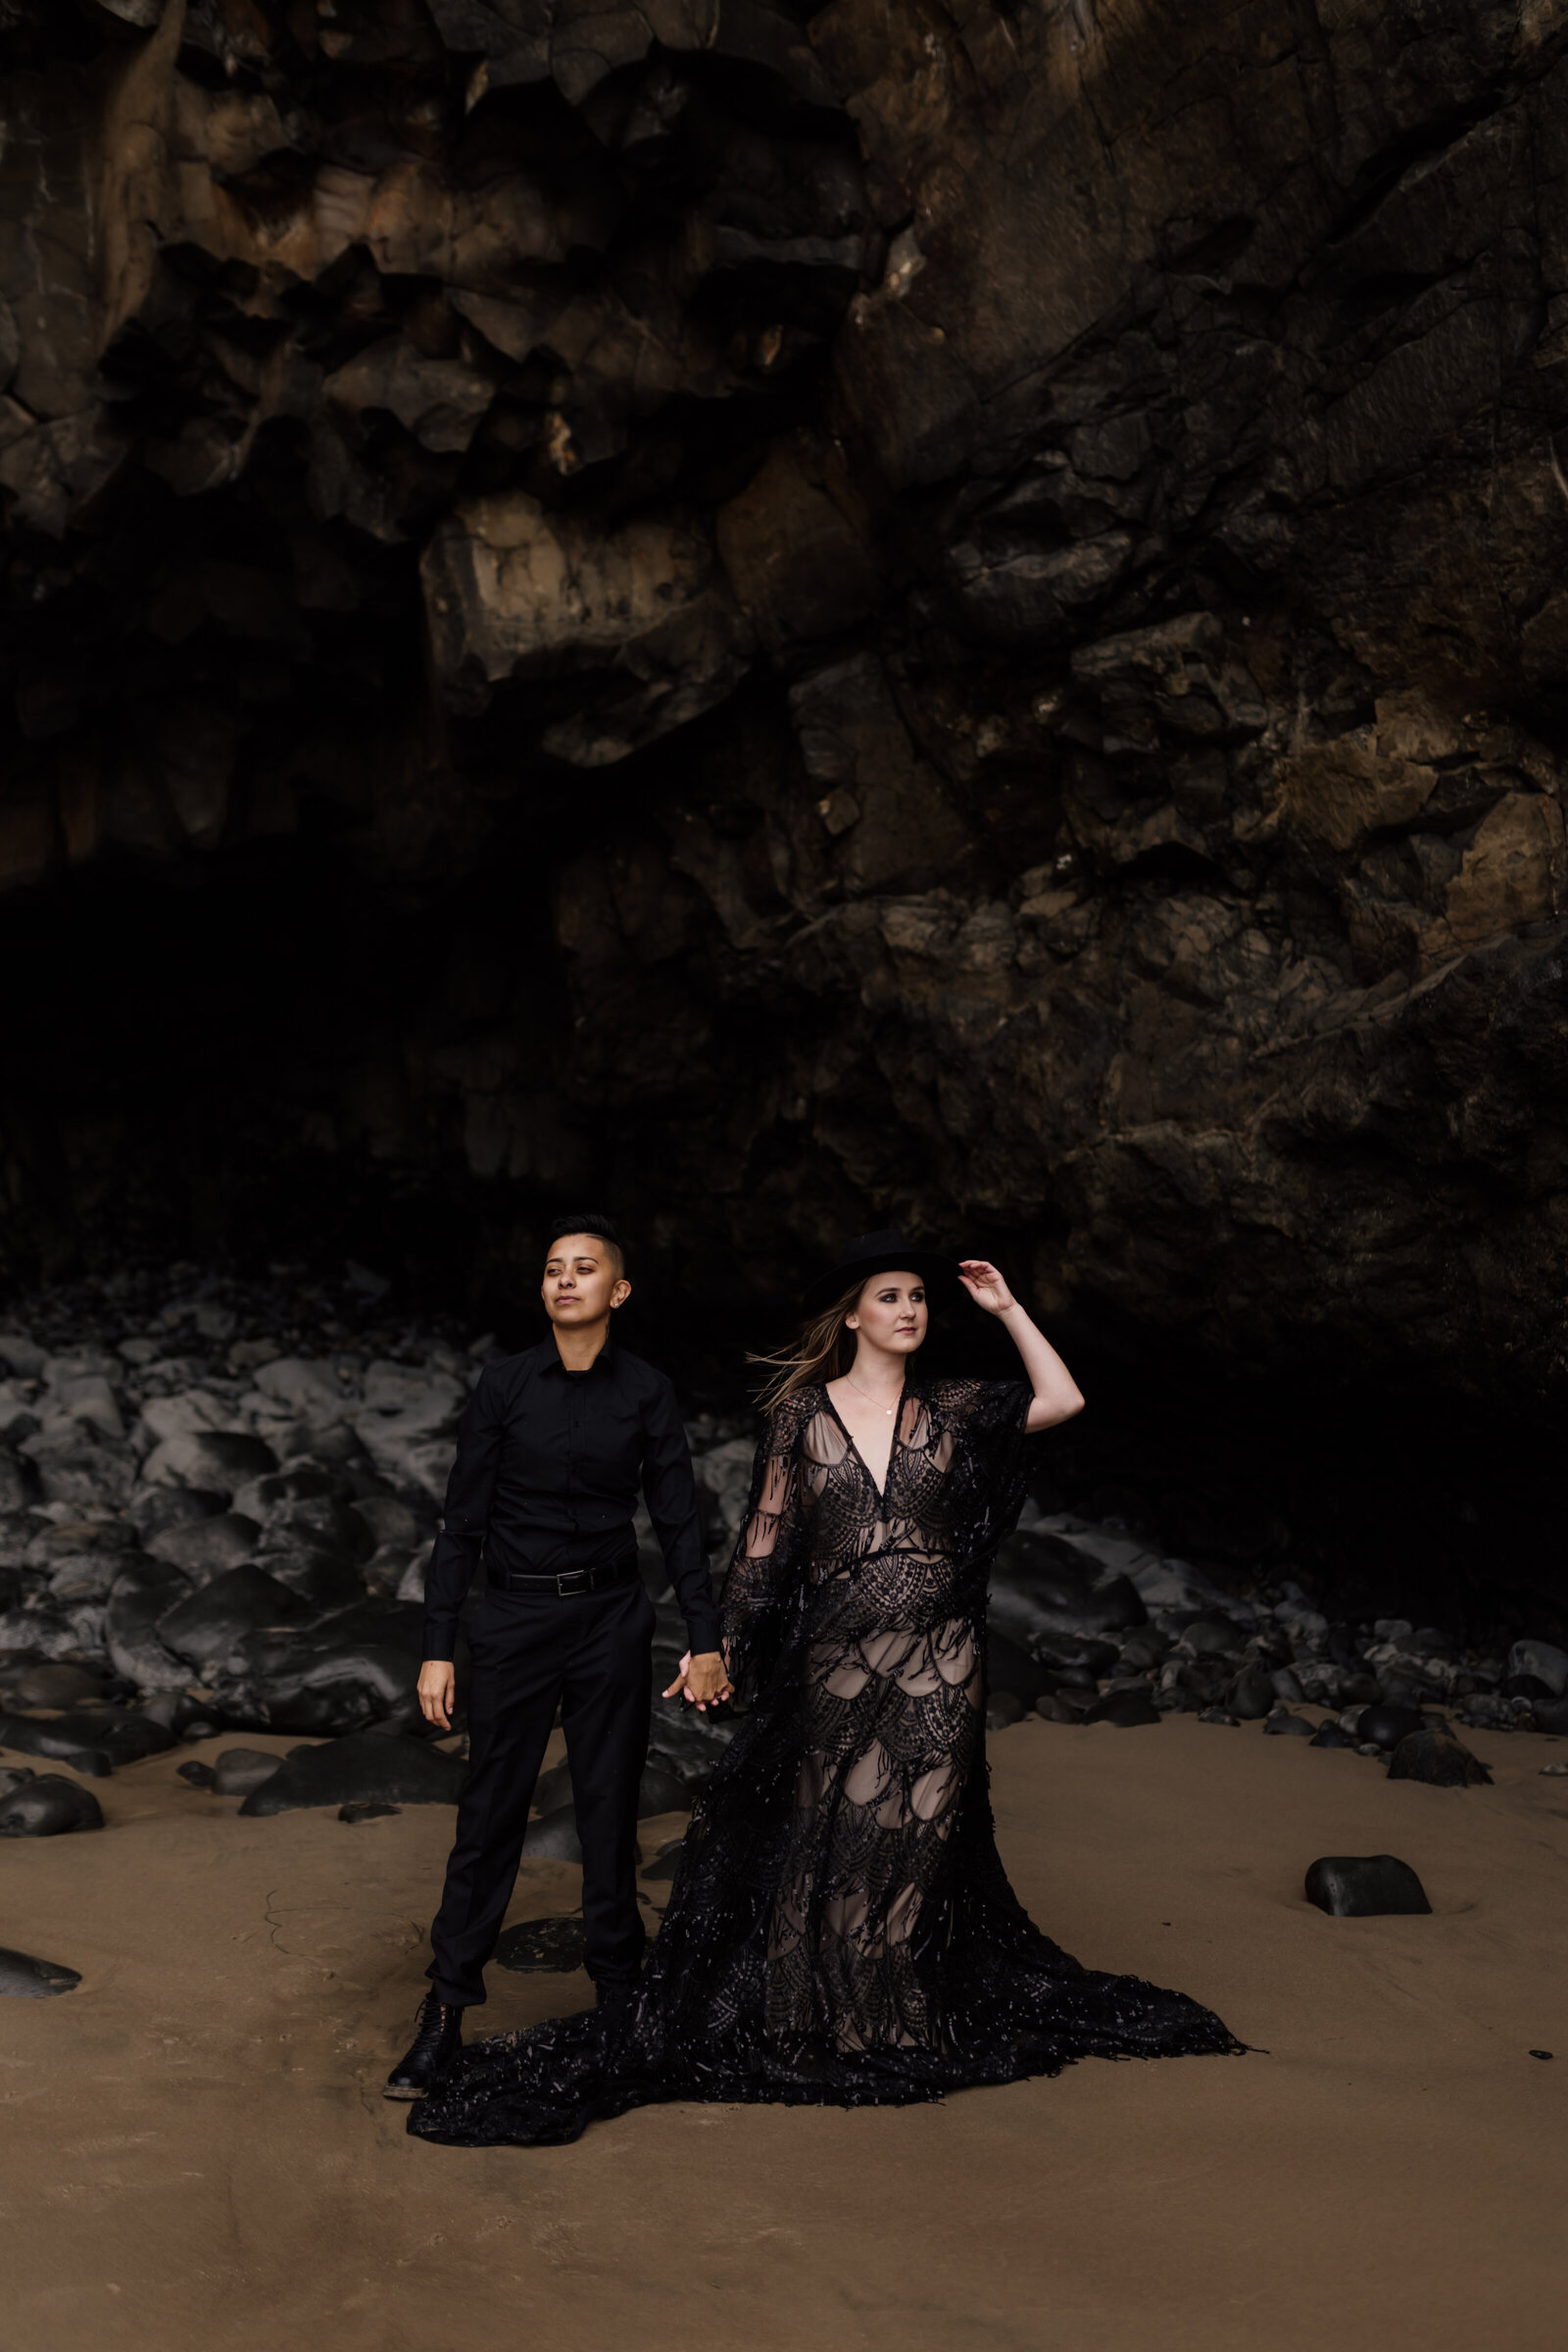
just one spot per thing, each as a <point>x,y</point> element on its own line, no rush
<point>823,1351</point>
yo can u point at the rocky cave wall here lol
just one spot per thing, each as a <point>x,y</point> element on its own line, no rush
<point>802,619</point>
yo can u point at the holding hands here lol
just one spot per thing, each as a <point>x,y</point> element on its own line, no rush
<point>703,1681</point>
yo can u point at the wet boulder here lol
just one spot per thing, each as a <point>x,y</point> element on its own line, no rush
<point>1281,1724</point>
<point>56,1684</point>
<point>1146,1645</point>
<point>25,1979</point>
<point>1544,1663</point>
<point>387,1522</point>
<point>363,1768</point>
<point>141,1595</point>
<point>39,1735</point>
<point>1440,1760</point>
<point>80,1466</point>
<point>152,1510</point>
<point>207,1546</point>
<point>124,1734</point>
<point>206,1625</point>
<point>219,1461</point>
<point>1213,1637</point>
<point>1126,1709</point>
<point>1365,1887</point>
<point>1251,1694</point>
<point>1041,1586</point>
<point>321,1580</point>
<point>1331,1735</point>
<point>314,1682</point>
<point>241,1771</point>
<point>48,1806</point>
<point>1385,1726</point>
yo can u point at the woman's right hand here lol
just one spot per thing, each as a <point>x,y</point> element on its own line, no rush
<point>438,1688</point>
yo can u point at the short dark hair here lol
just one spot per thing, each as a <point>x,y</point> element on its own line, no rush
<point>588,1220</point>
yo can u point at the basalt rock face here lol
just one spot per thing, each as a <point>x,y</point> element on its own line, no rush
<point>800,620</point>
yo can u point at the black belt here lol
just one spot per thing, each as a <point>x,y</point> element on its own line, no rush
<point>571,1581</point>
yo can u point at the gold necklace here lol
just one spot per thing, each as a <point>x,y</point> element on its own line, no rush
<point>869,1399</point>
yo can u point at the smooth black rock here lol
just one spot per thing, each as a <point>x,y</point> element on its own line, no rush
<point>1550,1715</point>
<point>1439,1759</point>
<point>1385,1726</point>
<point>1528,1685</point>
<point>49,1806</point>
<point>540,1947</point>
<point>239,1771</point>
<point>1214,1638</point>
<point>1544,1662</point>
<point>1250,1694</point>
<point>208,1623</point>
<point>196,1774</point>
<point>366,1767</point>
<point>1055,1709</point>
<point>1003,1708</point>
<point>668,1861</point>
<point>1124,1708</point>
<point>1042,1586</point>
<point>1365,1887</point>
<point>1145,1645</point>
<point>55,1684</point>
<point>321,1580</point>
<point>1065,1656</point>
<point>223,1460</point>
<point>207,1547</point>
<point>1331,1735</point>
<point>366,1809</point>
<point>124,1734</point>
<point>1283,1725</point>
<point>31,1736</point>
<point>156,1508</point>
<point>1011,1668</point>
<point>317,1682</point>
<point>25,1979</point>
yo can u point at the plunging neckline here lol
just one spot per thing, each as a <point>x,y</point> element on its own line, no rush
<point>880,1492</point>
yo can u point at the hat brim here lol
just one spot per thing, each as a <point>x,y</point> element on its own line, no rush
<point>937,1273</point>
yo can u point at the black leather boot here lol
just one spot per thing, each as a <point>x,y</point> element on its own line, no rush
<point>435,2044</point>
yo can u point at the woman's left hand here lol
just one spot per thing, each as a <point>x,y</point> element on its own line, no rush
<point>985,1285</point>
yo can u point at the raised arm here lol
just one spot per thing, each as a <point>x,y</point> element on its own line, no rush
<point>1056,1395</point>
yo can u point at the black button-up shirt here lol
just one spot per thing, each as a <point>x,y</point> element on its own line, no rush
<point>549,1464</point>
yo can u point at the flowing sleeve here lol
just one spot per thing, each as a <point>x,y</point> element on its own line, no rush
<point>988,1420</point>
<point>764,1570</point>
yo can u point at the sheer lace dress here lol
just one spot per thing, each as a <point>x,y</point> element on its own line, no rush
<point>841,1930</point>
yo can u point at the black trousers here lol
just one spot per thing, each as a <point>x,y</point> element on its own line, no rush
<point>592,1655</point>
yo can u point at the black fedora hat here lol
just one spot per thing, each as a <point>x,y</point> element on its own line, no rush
<point>886,1252</point>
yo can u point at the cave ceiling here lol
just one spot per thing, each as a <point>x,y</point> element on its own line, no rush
<point>801,618</point>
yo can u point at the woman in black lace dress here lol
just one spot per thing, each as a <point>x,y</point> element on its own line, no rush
<point>841,1931</point>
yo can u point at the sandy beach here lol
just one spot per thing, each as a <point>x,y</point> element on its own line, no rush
<point>197,2156</point>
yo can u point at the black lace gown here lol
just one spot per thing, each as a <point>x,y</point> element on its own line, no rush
<point>841,1931</point>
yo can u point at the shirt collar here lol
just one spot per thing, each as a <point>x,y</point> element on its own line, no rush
<point>550,1356</point>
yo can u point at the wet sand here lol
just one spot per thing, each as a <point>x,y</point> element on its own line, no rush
<point>196,2156</point>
